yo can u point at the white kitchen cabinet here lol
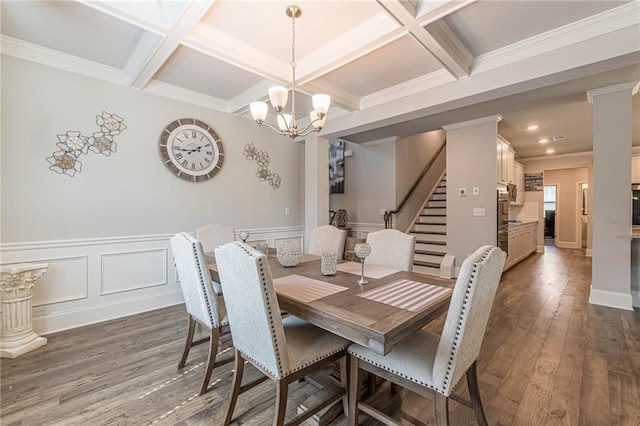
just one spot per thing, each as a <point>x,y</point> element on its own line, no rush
<point>522,242</point>
<point>511,165</point>
<point>519,181</point>
<point>502,159</point>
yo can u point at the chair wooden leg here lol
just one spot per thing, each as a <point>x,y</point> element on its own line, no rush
<point>188,343</point>
<point>355,389</point>
<point>282,389</point>
<point>235,388</point>
<point>214,335</point>
<point>345,365</point>
<point>442,409</point>
<point>474,393</point>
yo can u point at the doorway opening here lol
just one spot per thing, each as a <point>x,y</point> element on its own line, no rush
<point>549,201</point>
<point>583,198</point>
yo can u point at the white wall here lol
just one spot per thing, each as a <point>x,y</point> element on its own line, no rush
<point>413,153</point>
<point>105,231</point>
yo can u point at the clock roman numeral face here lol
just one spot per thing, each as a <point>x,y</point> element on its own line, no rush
<point>191,151</point>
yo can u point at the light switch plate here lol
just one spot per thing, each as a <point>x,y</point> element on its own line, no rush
<point>478,211</point>
<point>463,192</point>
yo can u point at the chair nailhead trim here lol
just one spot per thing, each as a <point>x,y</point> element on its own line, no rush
<point>194,246</point>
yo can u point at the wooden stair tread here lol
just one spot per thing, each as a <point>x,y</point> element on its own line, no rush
<point>431,223</point>
<point>430,253</point>
<point>433,214</point>
<point>427,264</point>
<point>437,243</point>
<point>429,232</point>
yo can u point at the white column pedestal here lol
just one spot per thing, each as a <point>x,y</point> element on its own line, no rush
<point>16,291</point>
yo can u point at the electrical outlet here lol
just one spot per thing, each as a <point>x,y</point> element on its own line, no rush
<point>287,211</point>
<point>478,211</point>
<point>476,190</point>
<point>382,212</point>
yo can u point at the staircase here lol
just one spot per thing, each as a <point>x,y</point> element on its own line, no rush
<point>430,230</point>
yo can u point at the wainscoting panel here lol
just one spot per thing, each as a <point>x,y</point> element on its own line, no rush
<point>65,280</point>
<point>95,280</point>
<point>133,270</point>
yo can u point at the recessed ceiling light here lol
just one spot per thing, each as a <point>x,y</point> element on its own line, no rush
<point>543,140</point>
<point>550,151</point>
<point>559,138</point>
<point>533,127</point>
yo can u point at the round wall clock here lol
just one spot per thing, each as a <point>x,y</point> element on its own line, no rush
<point>191,150</point>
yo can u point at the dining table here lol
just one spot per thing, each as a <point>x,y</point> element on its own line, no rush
<point>393,305</point>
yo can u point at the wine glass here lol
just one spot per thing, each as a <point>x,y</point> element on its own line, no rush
<point>362,250</point>
<point>243,236</point>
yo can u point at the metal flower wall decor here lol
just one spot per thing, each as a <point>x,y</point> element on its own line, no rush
<point>73,144</point>
<point>262,158</point>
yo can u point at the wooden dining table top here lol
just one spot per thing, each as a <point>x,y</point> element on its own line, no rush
<point>350,312</point>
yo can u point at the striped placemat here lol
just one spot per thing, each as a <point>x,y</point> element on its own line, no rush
<point>304,289</point>
<point>406,294</point>
<point>370,271</point>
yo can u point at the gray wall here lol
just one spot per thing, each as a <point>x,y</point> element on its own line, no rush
<point>131,192</point>
<point>369,181</point>
<point>567,217</point>
<point>471,162</point>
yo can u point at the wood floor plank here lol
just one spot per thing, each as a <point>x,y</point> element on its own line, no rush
<point>548,358</point>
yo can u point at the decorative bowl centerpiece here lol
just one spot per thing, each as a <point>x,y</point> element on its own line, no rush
<point>289,253</point>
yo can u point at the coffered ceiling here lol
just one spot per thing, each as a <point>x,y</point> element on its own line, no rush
<point>392,67</point>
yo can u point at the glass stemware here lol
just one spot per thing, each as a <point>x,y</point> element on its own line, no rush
<point>362,250</point>
<point>243,236</point>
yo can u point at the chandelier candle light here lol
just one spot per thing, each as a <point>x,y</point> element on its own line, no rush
<point>287,123</point>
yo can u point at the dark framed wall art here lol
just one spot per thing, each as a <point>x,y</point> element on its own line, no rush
<point>336,167</point>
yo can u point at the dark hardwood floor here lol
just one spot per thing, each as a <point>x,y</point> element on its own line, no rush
<point>548,358</point>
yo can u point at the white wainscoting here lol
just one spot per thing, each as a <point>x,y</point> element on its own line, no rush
<point>94,280</point>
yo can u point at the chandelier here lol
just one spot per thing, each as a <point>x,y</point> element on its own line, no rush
<point>287,123</point>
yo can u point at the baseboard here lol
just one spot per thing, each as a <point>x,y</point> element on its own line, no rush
<point>589,252</point>
<point>611,299</point>
<point>540,249</point>
<point>568,244</point>
<point>65,320</point>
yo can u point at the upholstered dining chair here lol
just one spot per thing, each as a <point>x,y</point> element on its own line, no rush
<point>391,248</point>
<point>432,365</point>
<point>204,305</point>
<point>327,239</point>
<point>214,235</point>
<point>282,349</point>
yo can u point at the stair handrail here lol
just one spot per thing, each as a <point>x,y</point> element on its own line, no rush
<point>388,213</point>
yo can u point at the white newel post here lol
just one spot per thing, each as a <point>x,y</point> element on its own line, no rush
<point>16,290</point>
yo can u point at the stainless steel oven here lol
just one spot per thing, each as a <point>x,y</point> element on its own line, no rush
<point>635,201</point>
<point>503,221</point>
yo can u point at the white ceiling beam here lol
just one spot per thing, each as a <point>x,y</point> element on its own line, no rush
<point>339,98</point>
<point>437,38</point>
<point>147,68</point>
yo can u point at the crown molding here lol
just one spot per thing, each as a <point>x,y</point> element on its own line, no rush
<point>350,46</point>
<point>631,86</point>
<point>411,87</point>
<point>53,58</point>
<point>490,119</point>
<point>185,95</point>
<point>552,157</point>
<point>579,31</point>
<point>229,49</point>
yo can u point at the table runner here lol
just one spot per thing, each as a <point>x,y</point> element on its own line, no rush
<point>406,294</point>
<point>370,271</point>
<point>304,289</point>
